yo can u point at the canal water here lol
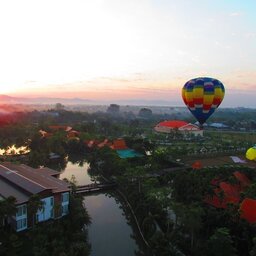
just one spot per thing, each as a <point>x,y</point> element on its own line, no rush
<point>109,232</point>
<point>79,172</point>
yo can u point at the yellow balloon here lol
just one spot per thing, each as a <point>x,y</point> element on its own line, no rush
<point>251,153</point>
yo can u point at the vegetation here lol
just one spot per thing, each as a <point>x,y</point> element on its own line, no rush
<point>167,197</point>
<point>64,237</point>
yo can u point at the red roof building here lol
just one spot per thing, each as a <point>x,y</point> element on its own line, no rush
<point>225,193</point>
<point>231,192</point>
<point>178,125</point>
<point>73,134</point>
<point>248,210</point>
<point>216,201</point>
<point>119,144</point>
<point>243,180</point>
<point>104,143</point>
<point>197,165</point>
<point>45,134</point>
<point>173,124</point>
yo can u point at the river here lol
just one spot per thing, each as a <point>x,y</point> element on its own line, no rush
<point>109,232</point>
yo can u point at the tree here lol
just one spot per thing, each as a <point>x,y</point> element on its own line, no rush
<point>220,243</point>
<point>136,173</point>
<point>253,250</point>
<point>7,208</point>
<point>59,106</point>
<point>34,204</point>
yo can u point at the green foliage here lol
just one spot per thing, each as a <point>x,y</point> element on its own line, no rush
<point>66,236</point>
<point>34,204</point>
<point>7,208</point>
<point>220,243</point>
<point>250,192</point>
<point>152,197</point>
<point>253,250</point>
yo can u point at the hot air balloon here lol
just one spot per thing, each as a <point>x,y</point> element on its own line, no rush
<point>202,96</point>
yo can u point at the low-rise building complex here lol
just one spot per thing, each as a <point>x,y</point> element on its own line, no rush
<point>180,126</point>
<point>22,182</point>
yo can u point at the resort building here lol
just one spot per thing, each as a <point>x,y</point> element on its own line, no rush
<point>22,182</point>
<point>180,126</point>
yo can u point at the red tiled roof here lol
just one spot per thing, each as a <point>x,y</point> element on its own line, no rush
<point>244,181</point>
<point>248,210</point>
<point>119,144</point>
<point>91,143</point>
<point>173,123</point>
<point>73,133</point>
<point>231,194</point>
<point>45,134</point>
<point>216,201</point>
<point>103,143</point>
<point>232,190</point>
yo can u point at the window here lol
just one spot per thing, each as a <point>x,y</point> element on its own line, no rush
<point>64,209</point>
<point>65,197</point>
<point>21,210</point>
<point>52,201</point>
<point>21,224</point>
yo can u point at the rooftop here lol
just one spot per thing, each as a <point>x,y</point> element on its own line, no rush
<point>22,181</point>
<point>173,123</point>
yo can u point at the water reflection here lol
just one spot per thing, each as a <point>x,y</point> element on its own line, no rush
<point>80,172</point>
<point>109,232</point>
<point>13,150</point>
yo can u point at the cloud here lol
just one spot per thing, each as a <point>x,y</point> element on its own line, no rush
<point>250,35</point>
<point>236,14</point>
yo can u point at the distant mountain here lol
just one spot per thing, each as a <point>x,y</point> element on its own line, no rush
<point>76,101</point>
<point>41,100</point>
<point>46,100</point>
<point>6,98</point>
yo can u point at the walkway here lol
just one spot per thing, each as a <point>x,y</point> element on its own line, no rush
<point>94,187</point>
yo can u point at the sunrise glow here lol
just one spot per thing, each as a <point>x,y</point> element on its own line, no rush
<point>126,49</point>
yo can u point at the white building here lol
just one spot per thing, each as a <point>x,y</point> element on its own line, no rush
<point>177,125</point>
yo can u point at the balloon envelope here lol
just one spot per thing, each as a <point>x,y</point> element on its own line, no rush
<point>202,96</point>
<point>251,153</point>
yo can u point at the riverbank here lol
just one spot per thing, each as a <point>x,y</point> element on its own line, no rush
<point>111,231</point>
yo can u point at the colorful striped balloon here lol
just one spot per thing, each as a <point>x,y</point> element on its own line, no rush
<point>202,96</point>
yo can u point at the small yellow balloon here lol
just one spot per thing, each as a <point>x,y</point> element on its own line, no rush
<point>251,153</point>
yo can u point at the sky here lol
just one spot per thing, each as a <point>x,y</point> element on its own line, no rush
<point>127,49</point>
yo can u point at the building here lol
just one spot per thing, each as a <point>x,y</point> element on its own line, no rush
<point>177,125</point>
<point>22,181</point>
<point>248,210</point>
<point>119,144</point>
<point>218,126</point>
<point>113,109</point>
